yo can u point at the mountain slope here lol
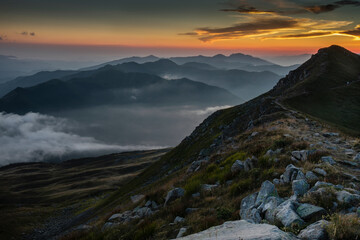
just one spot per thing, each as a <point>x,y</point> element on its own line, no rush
<point>113,87</point>
<point>327,86</point>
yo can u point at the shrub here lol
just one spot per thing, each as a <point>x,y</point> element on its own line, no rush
<point>232,158</point>
<point>241,186</point>
<point>265,162</point>
<point>316,156</point>
<point>146,232</point>
<point>323,198</point>
<point>281,143</point>
<point>192,185</point>
<point>344,227</point>
<point>224,213</point>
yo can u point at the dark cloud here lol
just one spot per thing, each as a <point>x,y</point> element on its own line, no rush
<point>348,2</point>
<point>355,32</point>
<point>256,26</point>
<point>1,38</point>
<point>306,35</point>
<point>26,33</point>
<point>322,8</point>
<point>247,10</point>
<point>32,34</point>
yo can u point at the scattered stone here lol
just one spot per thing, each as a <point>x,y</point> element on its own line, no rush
<point>270,153</point>
<point>320,171</point>
<point>269,208</point>
<point>243,230</point>
<point>208,187</point>
<point>286,214</point>
<point>254,134</point>
<point>137,198</point>
<point>290,173</point>
<point>310,212</point>
<point>196,165</point>
<point>277,181</point>
<point>190,210</point>
<point>181,233</point>
<point>299,155</point>
<point>347,198</point>
<point>143,212</point>
<point>328,159</point>
<point>237,166</point>
<point>357,157</point>
<point>300,187</point>
<point>330,134</point>
<point>204,152</point>
<point>311,177</point>
<point>315,231</point>
<point>174,194</point>
<point>179,220</point>
<point>250,163</point>
<point>195,195</point>
<point>349,152</point>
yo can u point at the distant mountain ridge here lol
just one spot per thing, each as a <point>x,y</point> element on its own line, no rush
<point>113,87</point>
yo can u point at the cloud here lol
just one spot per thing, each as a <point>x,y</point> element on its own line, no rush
<point>26,33</point>
<point>208,110</point>
<point>32,34</point>
<point>348,2</point>
<point>37,137</point>
<point>266,27</point>
<point>1,38</point>
<point>247,10</point>
<point>355,32</point>
<point>317,9</point>
<point>307,35</point>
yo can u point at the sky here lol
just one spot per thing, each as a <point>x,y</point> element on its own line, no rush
<point>110,28</point>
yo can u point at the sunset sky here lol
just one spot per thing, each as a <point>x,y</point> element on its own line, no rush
<point>126,27</point>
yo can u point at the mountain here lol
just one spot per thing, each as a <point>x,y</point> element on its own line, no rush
<point>241,83</point>
<point>244,84</point>
<point>327,87</point>
<point>32,80</point>
<point>150,58</point>
<point>109,86</point>
<point>289,60</point>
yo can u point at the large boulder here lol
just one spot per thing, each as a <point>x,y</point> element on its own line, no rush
<point>267,190</point>
<point>269,208</point>
<point>286,214</point>
<point>310,212</point>
<point>243,230</point>
<point>300,187</point>
<point>237,166</point>
<point>174,194</point>
<point>290,174</point>
<point>248,211</point>
<point>315,231</point>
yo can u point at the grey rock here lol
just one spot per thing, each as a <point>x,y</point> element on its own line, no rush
<point>286,214</point>
<point>174,194</point>
<point>276,181</point>
<point>300,175</point>
<point>320,171</point>
<point>181,233</point>
<point>267,190</point>
<point>310,212</point>
<point>330,134</point>
<point>179,220</point>
<point>243,230</point>
<point>195,195</point>
<point>269,207</point>
<point>349,152</point>
<point>190,210</point>
<point>345,197</point>
<point>300,187</point>
<point>250,163</point>
<point>196,165</point>
<point>247,206</point>
<point>328,159</point>
<point>311,177</point>
<point>290,173</point>
<point>237,166</point>
<point>143,212</point>
<point>208,187</point>
<point>270,153</point>
<point>357,157</point>
<point>300,155</point>
<point>137,198</point>
<point>315,231</point>
<point>148,203</point>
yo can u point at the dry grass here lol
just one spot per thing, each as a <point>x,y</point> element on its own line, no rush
<point>344,227</point>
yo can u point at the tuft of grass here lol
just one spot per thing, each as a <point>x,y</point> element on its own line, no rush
<point>343,227</point>
<point>241,186</point>
<point>224,213</point>
<point>147,231</point>
<point>316,156</point>
<point>323,199</point>
<point>193,185</point>
<point>282,143</point>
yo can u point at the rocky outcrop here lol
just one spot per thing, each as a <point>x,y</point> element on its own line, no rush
<point>292,173</point>
<point>310,212</point>
<point>286,214</point>
<point>174,194</point>
<point>300,187</point>
<point>241,229</point>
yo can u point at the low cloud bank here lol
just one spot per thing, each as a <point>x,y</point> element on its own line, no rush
<point>37,137</point>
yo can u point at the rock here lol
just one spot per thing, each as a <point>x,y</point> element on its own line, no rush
<point>196,165</point>
<point>300,187</point>
<point>204,152</point>
<point>310,212</point>
<point>248,210</point>
<point>254,134</point>
<point>195,195</point>
<point>311,177</point>
<point>143,212</point>
<point>154,205</point>
<point>330,134</point>
<point>328,159</point>
<point>269,207</point>
<point>315,231</point>
<point>320,171</point>
<point>347,198</point>
<point>181,233</point>
<point>237,166</point>
<point>108,225</point>
<point>286,214</point>
<point>174,194</point>
<point>276,181</point>
<point>250,163</point>
<point>300,155</point>
<point>179,220</point>
<point>300,176</point>
<point>270,153</point>
<point>190,210</point>
<point>290,173</point>
<point>243,230</point>
<point>148,203</point>
<point>349,152</point>
<point>267,190</point>
<point>357,157</point>
<point>137,198</point>
<point>208,187</point>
